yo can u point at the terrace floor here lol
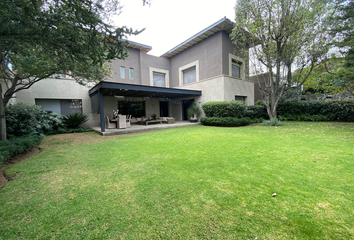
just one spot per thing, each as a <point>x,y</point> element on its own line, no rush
<point>139,128</point>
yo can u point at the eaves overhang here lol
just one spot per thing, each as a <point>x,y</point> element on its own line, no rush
<point>131,44</point>
<point>143,48</point>
<point>222,25</point>
<point>132,90</point>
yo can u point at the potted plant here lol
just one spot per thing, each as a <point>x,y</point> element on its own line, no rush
<point>154,116</point>
<point>192,112</point>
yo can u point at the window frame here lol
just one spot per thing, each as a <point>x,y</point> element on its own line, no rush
<point>240,62</point>
<point>186,67</point>
<point>131,73</point>
<point>153,70</point>
<point>122,72</point>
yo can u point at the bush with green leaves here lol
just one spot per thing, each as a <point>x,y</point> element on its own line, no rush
<point>256,112</point>
<point>235,109</point>
<point>75,120</point>
<point>271,122</point>
<point>17,145</point>
<point>225,121</point>
<point>335,110</point>
<point>24,119</point>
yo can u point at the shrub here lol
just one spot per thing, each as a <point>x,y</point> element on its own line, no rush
<point>17,145</point>
<point>271,122</point>
<point>74,120</point>
<point>256,111</point>
<point>235,109</point>
<point>24,119</point>
<point>225,122</point>
<point>337,110</point>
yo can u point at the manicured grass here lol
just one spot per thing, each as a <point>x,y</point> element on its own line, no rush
<point>187,183</point>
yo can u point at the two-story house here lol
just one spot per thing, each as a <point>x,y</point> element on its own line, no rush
<point>205,67</point>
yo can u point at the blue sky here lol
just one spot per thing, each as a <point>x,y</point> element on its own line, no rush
<point>167,23</point>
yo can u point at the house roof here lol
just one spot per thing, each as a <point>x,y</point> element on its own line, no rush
<point>132,90</point>
<point>143,48</point>
<point>223,24</point>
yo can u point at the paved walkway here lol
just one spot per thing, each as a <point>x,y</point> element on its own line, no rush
<point>140,128</point>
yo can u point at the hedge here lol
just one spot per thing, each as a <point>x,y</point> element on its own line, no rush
<point>225,122</point>
<point>335,110</point>
<point>234,109</point>
<point>17,145</point>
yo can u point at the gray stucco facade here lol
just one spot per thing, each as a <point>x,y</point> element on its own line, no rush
<point>210,54</point>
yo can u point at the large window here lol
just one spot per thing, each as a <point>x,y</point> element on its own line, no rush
<point>61,106</point>
<point>236,66</point>
<point>159,79</point>
<point>190,75</point>
<point>136,109</point>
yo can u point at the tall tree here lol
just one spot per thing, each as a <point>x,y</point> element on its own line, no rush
<point>287,35</point>
<point>42,38</point>
<point>343,31</point>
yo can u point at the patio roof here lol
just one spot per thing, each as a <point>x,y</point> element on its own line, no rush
<point>131,90</point>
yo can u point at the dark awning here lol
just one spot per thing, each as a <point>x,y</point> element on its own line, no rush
<point>131,90</point>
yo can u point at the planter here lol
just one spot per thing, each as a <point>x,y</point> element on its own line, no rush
<point>193,119</point>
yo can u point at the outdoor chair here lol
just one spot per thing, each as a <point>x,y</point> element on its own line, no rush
<point>108,123</point>
<point>128,121</point>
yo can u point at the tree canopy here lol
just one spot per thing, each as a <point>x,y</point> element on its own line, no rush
<point>41,38</point>
<point>343,30</point>
<point>287,35</point>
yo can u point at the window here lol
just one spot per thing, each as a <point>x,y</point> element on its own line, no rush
<point>122,72</point>
<point>61,106</point>
<point>240,98</point>
<point>131,73</point>
<point>136,109</point>
<point>189,73</point>
<point>236,66</point>
<point>159,79</point>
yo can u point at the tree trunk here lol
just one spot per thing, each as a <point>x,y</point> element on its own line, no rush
<point>272,111</point>
<point>2,117</point>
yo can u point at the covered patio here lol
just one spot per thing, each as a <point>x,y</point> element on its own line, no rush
<point>103,93</point>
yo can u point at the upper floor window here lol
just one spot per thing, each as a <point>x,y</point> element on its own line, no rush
<point>122,72</point>
<point>236,66</point>
<point>131,73</point>
<point>159,77</point>
<point>189,73</point>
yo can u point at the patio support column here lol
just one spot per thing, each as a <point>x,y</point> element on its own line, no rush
<point>100,97</point>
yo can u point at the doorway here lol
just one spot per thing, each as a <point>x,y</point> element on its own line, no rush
<point>185,105</point>
<point>164,109</point>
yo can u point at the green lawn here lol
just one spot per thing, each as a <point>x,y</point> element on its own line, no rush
<point>187,183</point>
